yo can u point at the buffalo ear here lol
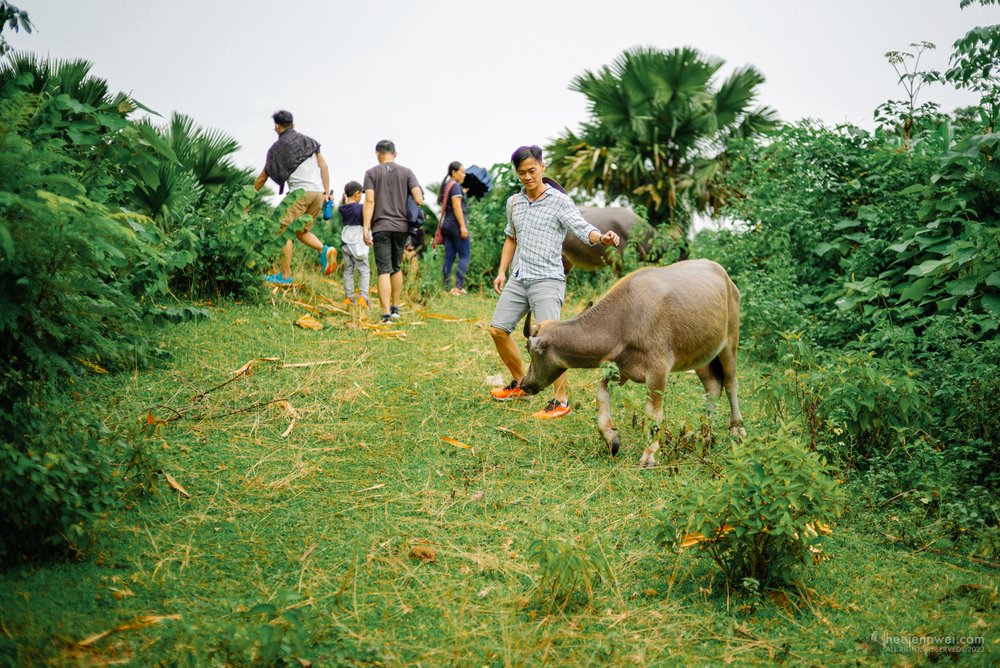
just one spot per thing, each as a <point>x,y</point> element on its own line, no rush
<point>535,329</point>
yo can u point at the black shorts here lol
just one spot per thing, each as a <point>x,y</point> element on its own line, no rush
<point>389,251</point>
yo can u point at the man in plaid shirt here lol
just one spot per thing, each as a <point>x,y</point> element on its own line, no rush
<point>538,218</point>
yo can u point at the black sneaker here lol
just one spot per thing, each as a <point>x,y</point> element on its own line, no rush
<point>394,313</point>
<point>386,318</point>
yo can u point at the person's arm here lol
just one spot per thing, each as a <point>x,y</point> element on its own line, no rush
<point>456,206</point>
<point>367,211</point>
<point>574,220</point>
<point>418,195</point>
<point>261,179</point>
<point>324,173</point>
<point>506,255</point>
<point>609,238</point>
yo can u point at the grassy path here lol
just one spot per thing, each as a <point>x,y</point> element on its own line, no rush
<point>313,491</point>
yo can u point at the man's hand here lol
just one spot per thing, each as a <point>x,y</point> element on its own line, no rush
<point>367,237</point>
<point>464,233</point>
<point>609,238</point>
<point>498,283</point>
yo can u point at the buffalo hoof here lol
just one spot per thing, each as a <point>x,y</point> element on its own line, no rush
<point>616,443</point>
<point>647,461</point>
<point>738,431</point>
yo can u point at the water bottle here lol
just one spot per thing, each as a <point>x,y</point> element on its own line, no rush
<point>328,208</point>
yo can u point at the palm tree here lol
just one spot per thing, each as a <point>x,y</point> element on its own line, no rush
<point>658,131</point>
<point>207,153</point>
<point>198,162</point>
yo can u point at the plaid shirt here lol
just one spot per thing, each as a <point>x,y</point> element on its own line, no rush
<point>539,228</point>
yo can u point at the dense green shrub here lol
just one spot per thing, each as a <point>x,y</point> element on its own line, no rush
<point>218,249</point>
<point>57,481</point>
<point>64,291</point>
<point>103,223</point>
<point>851,403</point>
<point>860,241</point>
<point>935,493</point>
<point>763,518</point>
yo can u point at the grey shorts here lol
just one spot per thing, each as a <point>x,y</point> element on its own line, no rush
<point>543,297</point>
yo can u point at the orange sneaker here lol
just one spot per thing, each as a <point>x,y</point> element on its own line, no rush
<point>512,391</point>
<point>347,301</point>
<point>554,409</point>
<point>362,302</point>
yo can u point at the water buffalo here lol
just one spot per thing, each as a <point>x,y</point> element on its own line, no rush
<point>618,219</point>
<point>651,322</point>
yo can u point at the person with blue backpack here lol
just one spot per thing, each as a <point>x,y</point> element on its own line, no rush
<point>454,227</point>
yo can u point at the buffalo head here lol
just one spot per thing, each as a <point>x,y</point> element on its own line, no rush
<point>545,366</point>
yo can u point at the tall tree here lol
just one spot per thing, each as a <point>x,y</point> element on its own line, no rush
<point>658,131</point>
<point>13,18</point>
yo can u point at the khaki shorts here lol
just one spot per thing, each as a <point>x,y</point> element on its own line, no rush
<point>309,203</point>
<point>543,297</point>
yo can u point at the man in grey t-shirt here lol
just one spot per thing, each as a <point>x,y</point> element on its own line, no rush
<point>385,224</point>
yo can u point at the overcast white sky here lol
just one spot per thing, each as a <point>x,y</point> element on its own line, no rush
<point>471,81</point>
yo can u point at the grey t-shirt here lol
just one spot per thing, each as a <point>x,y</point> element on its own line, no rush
<point>392,183</point>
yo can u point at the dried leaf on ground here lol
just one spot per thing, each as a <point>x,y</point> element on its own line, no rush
<point>817,528</point>
<point>302,365</point>
<point>305,555</point>
<point>309,322</point>
<point>248,367</point>
<point>96,368</point>
<point>151,419</point>
<point>287,409</point>
<point>423,553</point>
<point>510,432</point>
<point>137,623</point>
<point>309,307</point>
<point>441,316</point>
<point>691,539</point>
<point>175,485</point>
<point>390,334</point>
<point>457,444</point>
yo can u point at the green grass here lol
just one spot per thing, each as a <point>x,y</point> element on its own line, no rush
<point>321,522</point>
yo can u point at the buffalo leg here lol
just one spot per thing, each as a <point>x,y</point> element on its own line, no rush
<point>654,409</point>
<point>728,359</point>
<point>711,378</point>
<point>609,433</point>
<point>713,387</point>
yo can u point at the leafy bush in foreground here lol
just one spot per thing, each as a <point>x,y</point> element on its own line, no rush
<point>567,568</point>
<point>64,299</point>
<point>765,517</point>
<point>57,482</point>
<point>850,403</point>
